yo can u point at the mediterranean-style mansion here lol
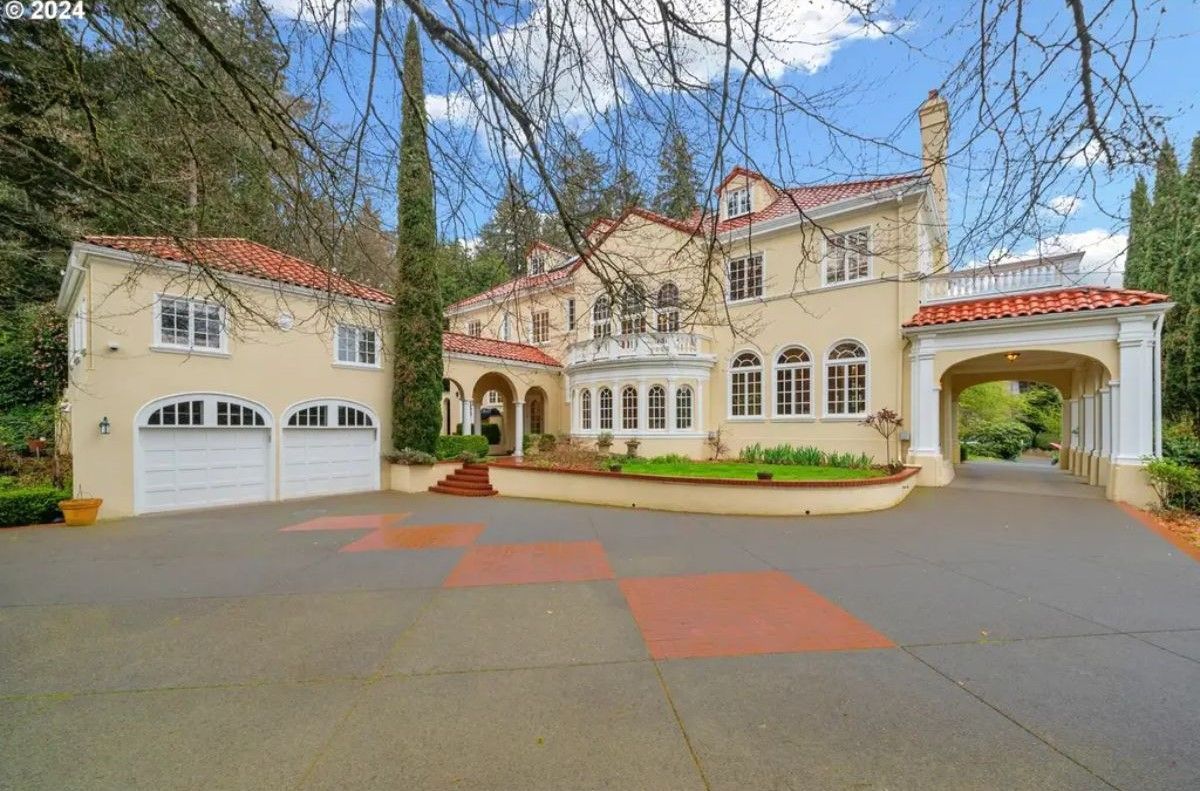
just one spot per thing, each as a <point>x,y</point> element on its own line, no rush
<point>226,372</point>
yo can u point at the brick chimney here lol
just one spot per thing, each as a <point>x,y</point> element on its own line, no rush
<point>935,134</point>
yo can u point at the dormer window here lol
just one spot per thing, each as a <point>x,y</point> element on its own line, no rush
<point>737,202</point>
<point>537,263</point>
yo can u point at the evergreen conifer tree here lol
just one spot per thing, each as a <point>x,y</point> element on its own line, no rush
<point>678,184</point>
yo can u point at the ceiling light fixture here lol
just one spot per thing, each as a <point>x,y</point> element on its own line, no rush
<point>1012,356</point>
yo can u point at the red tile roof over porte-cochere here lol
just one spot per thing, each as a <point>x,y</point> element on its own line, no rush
<point>242,257</point>
<point>501,350</point>
<point>1038,303</point>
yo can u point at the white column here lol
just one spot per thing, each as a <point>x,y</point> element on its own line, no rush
<point>1136,419</point>
<point>1105,422</point>
<point>671,406</point>
<point>698,423</point>
<point>596,409</point>
<point>477,409</point>
<point>1114,417</point>
<point>926,403</point>
<point>1089,424</point>
<point>643,407</point>
<point>519,420</point>
<point>468,416</point>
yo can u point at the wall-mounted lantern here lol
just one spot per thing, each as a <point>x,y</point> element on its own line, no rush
<point>105,426</point>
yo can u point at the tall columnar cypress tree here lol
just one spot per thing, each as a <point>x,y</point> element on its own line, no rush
<point>1163,241</point>
<point>678,183</point>
<point>1139,220</point>
<point>1187,277</point>
<point>417,380</point>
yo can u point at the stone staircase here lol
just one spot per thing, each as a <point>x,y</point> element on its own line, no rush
<point>469,480</point>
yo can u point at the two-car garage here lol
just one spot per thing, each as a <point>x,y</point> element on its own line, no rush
<point>198,450</point>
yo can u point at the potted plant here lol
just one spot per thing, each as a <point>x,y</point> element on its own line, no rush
<point>631,447</point>
<point>765,475</point>
<point>80,511</point>
<point>604,441</point>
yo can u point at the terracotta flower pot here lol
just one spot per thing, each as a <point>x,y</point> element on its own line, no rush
<point>80,512</point>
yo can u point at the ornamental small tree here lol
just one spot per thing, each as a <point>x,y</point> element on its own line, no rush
<point>887,423</point>
<point>417,352</point>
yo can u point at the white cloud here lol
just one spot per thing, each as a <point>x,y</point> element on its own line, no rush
<point>1064,205</point>
<point>556,58</point>
<point>455,107</point>
<point>334,13</point>
<point>1087,155</point>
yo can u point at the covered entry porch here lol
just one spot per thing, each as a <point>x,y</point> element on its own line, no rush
<point>1099,347</point>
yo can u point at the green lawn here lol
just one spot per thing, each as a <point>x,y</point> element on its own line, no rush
<point>737,469</point>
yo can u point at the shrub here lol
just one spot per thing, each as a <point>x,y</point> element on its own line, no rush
<point>1181,443</point>
<point>21,422</point>
<point>546,442</point>
<point>1177,484</point>
<point>850,461</point>
<point>670,458</point>
<point>529,442</point>
<point>410,456</point>
<point>33,355</point>
<point>1003,440</point>
<point>35,505</point>
<point>7,482</point>
<point>467,457</point>
<point>449,446</point>
<point>492,432</point>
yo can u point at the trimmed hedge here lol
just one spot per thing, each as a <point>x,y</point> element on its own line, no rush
<point>1004,439</point>
<point>492,432</point>
<point>31,506</point>
<point>450,446</point>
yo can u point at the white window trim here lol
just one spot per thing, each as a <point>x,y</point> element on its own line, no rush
<point>666,429</point>
<point>729,194</point>
<point>533,324</point>
<point>570,313</point>
<point>673,416</point>
<point>729,280</point>
<point>729,371</point>
<point>337,363</point>
<point>868,278</point>
<point>159,345</point>
<point>826,415</point>
<point>811,365</point>
<point>470,324</point>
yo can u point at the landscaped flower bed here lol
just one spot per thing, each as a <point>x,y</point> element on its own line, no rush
<point>740,470</point>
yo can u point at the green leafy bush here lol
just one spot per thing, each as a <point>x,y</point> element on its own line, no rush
<point>30,506</point>
<point>1002,440</point>
<point>1177,484</point>
<point>410,456</point>
<point>30,420</point>
<point>492,432</point>
<point>451,446</point>
<point>1181,443</point>
<point>805,455</point>
<point>546,442</point>
<point>669,458</point>
<point>33,355</point>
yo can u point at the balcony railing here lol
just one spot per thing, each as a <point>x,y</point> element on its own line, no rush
<point>642,345</point>
<point>1038,274</point>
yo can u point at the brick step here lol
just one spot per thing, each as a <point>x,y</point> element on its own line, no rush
<point>475,475</point>
<point>443,489</point>
<point>474,465</point>
<point>465,483</point>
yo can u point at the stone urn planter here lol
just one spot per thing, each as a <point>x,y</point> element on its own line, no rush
<point>80,512</point>
<point>631,448</point>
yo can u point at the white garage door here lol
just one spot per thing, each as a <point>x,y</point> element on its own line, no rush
<point>329,447</point>
<point>200,450</point>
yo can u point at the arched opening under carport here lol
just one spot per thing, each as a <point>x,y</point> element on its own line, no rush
<point>498,410</point>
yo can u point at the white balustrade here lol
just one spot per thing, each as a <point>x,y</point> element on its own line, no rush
<point>642,345</point>
<point>1020,276</point>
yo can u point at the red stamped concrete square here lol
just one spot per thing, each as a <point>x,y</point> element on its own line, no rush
<point>760,612</point>
<point>448,536</point>
<point>353,522</point>
<point>520,564</point>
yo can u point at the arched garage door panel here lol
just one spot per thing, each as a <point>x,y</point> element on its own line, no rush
<point>329,447</point>
<point>202,450</point>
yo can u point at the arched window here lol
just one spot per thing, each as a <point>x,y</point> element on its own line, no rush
<point>328,414</point>
<point>793,382</point>
<point>656,408</point>
<point>846,379</point>
<point>683,408</point>
<point>606,409</point>
<point>585,410</point>
<point>537,415</point>
<point>745,385</point>
<point>629,408</point>
<point>667,305</point>
<point>602,318</point>
<point>633,310</point>
<point>204,410</point>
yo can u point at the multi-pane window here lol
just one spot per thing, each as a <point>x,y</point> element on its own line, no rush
<point>683,408</point>
<point>310,417</point>
<point>230,414</point>
<point>737,203</point>
<point>570,314</point>
<point>602,317</point>
<point>656,408</point>
<point>537,416</point>
<point>349,416</point>
<point>633,310</point>
<point>357,345</point>
<point>505,328</point>
<point>537,263</point>
<point>606,409</point>
<point>541,328</point>
<point>585,410</point>
<point>492,397</point>
<point>667,305</point>
<point>745,386</point>
<point>846,379</point>
<point>189,323</point>
<point>745,278</point>
<point>847,257</point>
<point>793,382</point>
<point>182,413</point>
<point>77,339</point>
<point>475,328</point>
<point>629,408</point>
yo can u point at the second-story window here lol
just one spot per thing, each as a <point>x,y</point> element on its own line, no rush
<point>505,328</point>
<point>633,310</point>
<point>737,203</point>
<point>189,324</point>
<point>847,257</point>
<point>745,278</point>
<point>475,328</point>
<point>537,263</point>
<point>570,314</point>
<point>357,345</point>
<point>668,308</point>
<point>541,327</point>
<point>601,317</point>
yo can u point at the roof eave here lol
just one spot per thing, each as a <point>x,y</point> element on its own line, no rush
<point>1064,315</point>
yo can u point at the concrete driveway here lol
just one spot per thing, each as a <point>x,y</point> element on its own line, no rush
<point>972,638</point>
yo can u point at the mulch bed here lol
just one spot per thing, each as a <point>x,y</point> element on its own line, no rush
<point>1182,523</point>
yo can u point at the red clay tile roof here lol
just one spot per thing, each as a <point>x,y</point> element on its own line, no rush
<point>503,350</point>
<point>1037,303</point>
<point>815,196</point>
<point>497,294</point>
<point>242,257</point>
<point>748,173</point>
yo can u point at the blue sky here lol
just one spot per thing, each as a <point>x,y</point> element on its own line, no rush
<point>875,83</point>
